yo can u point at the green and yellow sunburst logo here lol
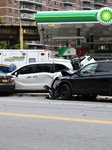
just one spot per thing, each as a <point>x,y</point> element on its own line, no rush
<point>68,51</point>
<point>105,16</point>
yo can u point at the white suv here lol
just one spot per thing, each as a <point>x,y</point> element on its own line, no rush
<point>34,76</point>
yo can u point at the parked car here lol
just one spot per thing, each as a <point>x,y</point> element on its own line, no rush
<point>88,82</point>
<point>33,76</point>
<point>7,83</point>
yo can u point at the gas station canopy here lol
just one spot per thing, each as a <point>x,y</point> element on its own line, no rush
<point>83,27</point>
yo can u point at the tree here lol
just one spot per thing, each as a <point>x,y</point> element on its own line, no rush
<point>3,44</point>
<point>17,46</point>
<point>1,20</point>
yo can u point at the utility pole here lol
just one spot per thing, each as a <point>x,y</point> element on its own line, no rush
<point>21,36</point>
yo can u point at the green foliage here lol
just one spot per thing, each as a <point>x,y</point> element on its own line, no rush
<point>1,20</point>
<point>3,45</point>
<point>17,46</point>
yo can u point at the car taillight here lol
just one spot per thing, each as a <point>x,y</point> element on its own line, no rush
<point>12,79</point>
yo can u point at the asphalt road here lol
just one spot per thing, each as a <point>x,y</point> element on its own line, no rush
<point>32,122</point>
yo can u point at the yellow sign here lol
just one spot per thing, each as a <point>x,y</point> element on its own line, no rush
<point>30,31</point>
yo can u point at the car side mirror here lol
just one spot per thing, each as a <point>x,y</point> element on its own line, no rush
<point>16,74</point>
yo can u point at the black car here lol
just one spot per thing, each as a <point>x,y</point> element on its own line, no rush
<point>88,82</point>
<point>7,84</point>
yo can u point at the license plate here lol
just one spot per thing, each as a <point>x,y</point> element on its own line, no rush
<point>4,80</point>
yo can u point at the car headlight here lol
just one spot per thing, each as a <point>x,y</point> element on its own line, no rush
<point>56,83</point>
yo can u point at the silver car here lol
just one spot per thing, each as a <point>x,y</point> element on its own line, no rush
<point>34,76</point>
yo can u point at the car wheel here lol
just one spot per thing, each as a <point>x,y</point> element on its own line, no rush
<point>65,92</point>
<point>88,97</point>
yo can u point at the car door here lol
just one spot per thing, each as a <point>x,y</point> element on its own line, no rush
<point>34,77</point>
<point>83,80</point>
<point>24,78</point>
<point>45,75</point>
<point>103,77</point>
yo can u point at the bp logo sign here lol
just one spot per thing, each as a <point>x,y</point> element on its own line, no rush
<point>104,16</point>
<point>68,51</point>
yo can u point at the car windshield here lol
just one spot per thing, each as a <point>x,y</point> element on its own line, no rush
<point>89,68</point>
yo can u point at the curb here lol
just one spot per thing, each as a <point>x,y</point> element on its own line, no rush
<point>46,94</point>
<point>30,94</point>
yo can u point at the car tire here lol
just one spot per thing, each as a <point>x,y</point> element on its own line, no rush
<point>65,92</point>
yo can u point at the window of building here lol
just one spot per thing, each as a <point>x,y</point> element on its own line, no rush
<point>16,11</point>
<point>16,20</point>
<point>10,19</point>
<point>9,1</point>
<point>49,1</point>
<point>55,3</point>
<point>61,5</point>
<point>55,9</point>
<point>49,9</point>
<point>16,2</point>
<point>10,11</point>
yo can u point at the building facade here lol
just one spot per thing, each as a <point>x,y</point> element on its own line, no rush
<point>12,11</point>
<point>91,4</point>
<point>22,12</point>
<point>110,3</point>
<point>28,9</point>
<point>85,4</point>
<point>54,5</point>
